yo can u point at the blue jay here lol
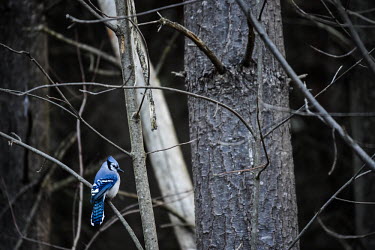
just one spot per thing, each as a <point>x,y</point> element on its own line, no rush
<point>106,184</point>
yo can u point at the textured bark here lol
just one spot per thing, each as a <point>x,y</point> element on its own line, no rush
<point>230,212</point>
<point>27,118</point>
<point>362,99</point>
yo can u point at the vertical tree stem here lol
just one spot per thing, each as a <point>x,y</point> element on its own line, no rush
<point>124,35</point>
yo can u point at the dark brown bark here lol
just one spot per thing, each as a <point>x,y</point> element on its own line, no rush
<point>230,213</point>
<point>25,117</point>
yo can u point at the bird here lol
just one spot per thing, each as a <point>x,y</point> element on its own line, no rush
<point>106,185</point>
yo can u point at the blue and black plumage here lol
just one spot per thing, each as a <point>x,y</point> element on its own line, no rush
<point>106,184</point>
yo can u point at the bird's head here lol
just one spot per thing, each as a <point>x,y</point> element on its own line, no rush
<point>113,164</point>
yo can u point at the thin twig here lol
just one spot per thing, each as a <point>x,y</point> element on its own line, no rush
<point>193,37</point>
<point>239,171</point>
<point>180,144</point>
<point>326,25</point>
<point>334,153</point>
<point>100,18</point>
<point>316,19</point>
<point>356,202</point>
<point>262,141</point>
<point>335,79</point>
<point>355,36</point>
<point>334,17</point>
<point>80,156</point>
<point>341,236</point>
<point>80,45</point>
<point>361,16</point>
<point>261,10</point>
<point>280,123</point>
<point>140,56</point>
<point>302,113</point>
<point>250,46</point>
<point>106,20</point>
<point>32,59</point>
<point>331,55</point>
<point>165,52</point>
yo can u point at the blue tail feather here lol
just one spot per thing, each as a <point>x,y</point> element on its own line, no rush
<point>97,215</point>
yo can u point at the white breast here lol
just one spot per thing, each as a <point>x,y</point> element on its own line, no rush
<point>113,191</point>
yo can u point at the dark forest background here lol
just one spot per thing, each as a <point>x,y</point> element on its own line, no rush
<point>313,145</point>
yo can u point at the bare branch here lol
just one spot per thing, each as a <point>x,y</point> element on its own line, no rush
<point>166,51</point>
<point>341,236</point>
<point>180,144</point>
<point>240,170</point>
<point>359,15</point>
<point>250,45</point>
<point>355,36</point>
<point>356,202</point>
<point>334,153</point>
<point>20,93</point>
<point>331,55</point>
<point>264,166</point>
<point>79,45</point>
<point>80,157</point>
<point>280,123</point>
<point>201,45</point>
<point>22,52</point>
<point>292,74</point>
<point>106,20</point>
<point>100,18</point>
<point>262,9</point>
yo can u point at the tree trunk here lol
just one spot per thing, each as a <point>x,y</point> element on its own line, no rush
<point>27,118</point>
<point>236,211</point>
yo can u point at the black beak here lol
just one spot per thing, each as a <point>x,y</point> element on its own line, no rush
<point>120,170</point>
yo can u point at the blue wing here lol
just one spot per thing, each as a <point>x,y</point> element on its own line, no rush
<point>100,187</point>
